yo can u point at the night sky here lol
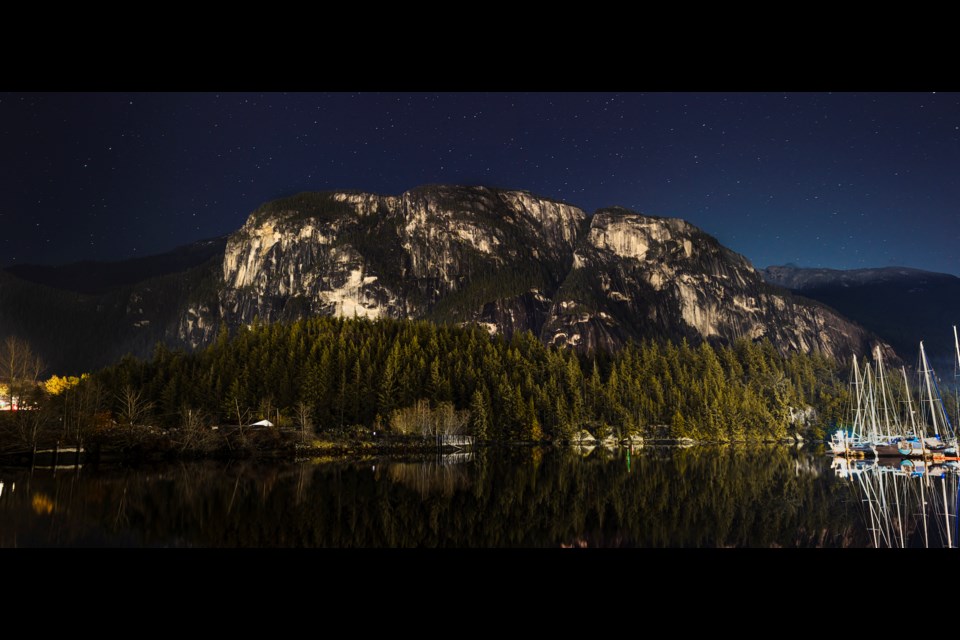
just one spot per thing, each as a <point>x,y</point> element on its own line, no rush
<point>816,179</point>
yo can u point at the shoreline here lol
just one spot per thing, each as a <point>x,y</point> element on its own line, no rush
<point>287,446</point>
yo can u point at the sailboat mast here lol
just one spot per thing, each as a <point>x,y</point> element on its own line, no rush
<point>956,371</point>
<point>872,406</point>
<point>883,393</point>
<point>856,431</point>
<point>927,383</point>
<point>956,346</point>
<point>913,423</point>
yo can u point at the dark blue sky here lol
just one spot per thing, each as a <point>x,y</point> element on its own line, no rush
<point>834,180</point>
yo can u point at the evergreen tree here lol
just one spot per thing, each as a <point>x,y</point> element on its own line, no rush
<point>350,371</point>
<point>479,416</point>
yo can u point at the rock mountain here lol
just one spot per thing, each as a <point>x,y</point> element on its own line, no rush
<point>508,260</point>
<point>901,305</point>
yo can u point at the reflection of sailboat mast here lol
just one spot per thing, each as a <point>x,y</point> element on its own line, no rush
<point>923,508</point>
<point>873,528</point>
<point>887,487</point>
<point>903,505</point>
<point>956,510</point>
<point>900,512</point>
<point>946,515</point>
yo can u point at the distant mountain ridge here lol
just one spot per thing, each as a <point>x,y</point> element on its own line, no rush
<point>901,305</point>
<point>801,278</point>
<point>505,259</point>
<point>91,276</point>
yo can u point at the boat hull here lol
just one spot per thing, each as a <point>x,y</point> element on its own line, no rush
<point>910,449</point>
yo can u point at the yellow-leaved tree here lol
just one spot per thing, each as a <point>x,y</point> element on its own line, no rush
<point>57,384</point>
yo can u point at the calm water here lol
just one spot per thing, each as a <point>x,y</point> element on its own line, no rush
<point>696,497</point>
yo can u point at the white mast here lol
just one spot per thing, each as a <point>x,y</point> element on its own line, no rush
<point>883,394</point>
<point>929,384</point>
<point>871,406</point>
<point>857,430</point>
<point>956,370</point>
<point>956,345</point>
<point>906,385</point>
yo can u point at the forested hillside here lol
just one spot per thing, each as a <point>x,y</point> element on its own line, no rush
<point>357,374</point>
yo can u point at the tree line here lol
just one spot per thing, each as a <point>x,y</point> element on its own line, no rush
<point>355,374</point>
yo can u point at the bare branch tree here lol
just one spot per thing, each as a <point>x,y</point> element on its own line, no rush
<point>304,419</point>
<point>133,407</point>
<point>194,432</point>
<point>242,414</point>
<point>20,369</point>
<point>420,418</point>
<point>30,423</point>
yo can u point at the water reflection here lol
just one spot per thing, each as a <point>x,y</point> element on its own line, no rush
<point>905,503</point>
<point>648,497</point>
<point>443,476</point>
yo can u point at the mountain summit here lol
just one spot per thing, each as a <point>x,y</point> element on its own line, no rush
<point>511,261</point>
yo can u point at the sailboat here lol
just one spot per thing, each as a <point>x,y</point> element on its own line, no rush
<point>884,425</point>
<point>877,428</point>
<point>934,436</point>
<point>854,443</point>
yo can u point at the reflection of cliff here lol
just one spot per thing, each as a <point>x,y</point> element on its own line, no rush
<point>697,497</point>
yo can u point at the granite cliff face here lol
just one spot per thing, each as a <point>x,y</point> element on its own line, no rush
<point>511,261</point>
<point>507,260</point>
<point>445,253</point>
<point>636,276</point>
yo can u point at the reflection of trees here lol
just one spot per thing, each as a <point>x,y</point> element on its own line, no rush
<point>723,496</point>
<point>429,477</point>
